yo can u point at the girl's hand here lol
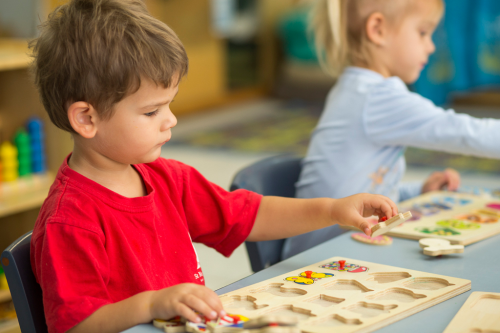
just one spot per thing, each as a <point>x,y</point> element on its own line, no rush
<point>352,210</point>
<point>449,178</point>
<point>183,300</point>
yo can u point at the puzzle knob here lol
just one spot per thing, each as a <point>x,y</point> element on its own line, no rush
<point>308,274</point>
<point>342,264</point>
<point>384,218</point>
<point>273,325</point>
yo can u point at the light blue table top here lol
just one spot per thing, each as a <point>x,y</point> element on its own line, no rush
<point>479,263</point>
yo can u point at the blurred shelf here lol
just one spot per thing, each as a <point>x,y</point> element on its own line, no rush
<point>5,295</point>
<point>10,326</point>
<point>14,54</point>
<point>20,201</point>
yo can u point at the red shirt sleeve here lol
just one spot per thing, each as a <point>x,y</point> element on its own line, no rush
<point>216,217</point>
<point>70,279</point>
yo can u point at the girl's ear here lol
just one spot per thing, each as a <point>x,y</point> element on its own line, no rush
<point>83,118</point>
<point>376,28</point>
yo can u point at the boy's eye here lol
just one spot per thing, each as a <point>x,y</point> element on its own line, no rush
<point>152,113</point>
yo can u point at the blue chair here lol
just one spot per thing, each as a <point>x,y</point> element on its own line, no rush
<point>275,176</point>
<point>26,292</point>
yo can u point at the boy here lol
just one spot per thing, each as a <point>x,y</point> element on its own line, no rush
<point>112,246</point>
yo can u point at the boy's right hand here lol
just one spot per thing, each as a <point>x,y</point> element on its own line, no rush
<point>183,299</point>
<point>353,210</point>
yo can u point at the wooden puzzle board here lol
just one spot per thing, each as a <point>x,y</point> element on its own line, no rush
<point>480,313</point>
<point>451,223</point>
<point>361,298</point>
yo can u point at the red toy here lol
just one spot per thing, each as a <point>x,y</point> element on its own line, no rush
<point>341,263</point>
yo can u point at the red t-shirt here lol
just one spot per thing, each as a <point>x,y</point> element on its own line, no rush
<point>91,246</point>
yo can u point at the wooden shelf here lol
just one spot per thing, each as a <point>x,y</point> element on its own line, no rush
<point>18,202</point>
<point>10,326</point>
<point>5,295</point>
<point>14,54</point>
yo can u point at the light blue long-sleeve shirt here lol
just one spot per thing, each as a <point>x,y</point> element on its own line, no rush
<point>358,145</point>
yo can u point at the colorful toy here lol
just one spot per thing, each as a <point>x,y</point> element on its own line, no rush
<point>37,145</point>
<point>308,277</point>
<point>346,302</point>
<point>436,247</point>
<point>22,141</point>
<point>379,240</point>
<point>342,266</point>
<point>8,155</point>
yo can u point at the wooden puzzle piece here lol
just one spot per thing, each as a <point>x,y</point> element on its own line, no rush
<point>231,321</point>
<point>383,227</point>
<point>480,313</point>
<point>426,209</point>
<point>494,205</point>
<point>379,240</point>
<point>436,247</point>
<point>344,267</point>
<point>438,231</point>
<point>477,218</point>
<point>458,224</point>
<point>175,325</point>
<point>308,277</point>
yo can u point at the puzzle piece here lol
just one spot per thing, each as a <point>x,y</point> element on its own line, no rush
<point>347,267</point>
<point>435,247</point>
<point>231,321</point>
<point>380,240</point>
<point>438,231</point>
<point>175,325</point>
<point>383,227</point>
<point>308,277</point>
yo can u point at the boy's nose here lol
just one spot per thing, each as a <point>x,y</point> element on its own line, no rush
<point>169,122</point>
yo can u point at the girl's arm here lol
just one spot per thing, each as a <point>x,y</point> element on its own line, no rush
<point>286,217</point>
<point>395,116</point>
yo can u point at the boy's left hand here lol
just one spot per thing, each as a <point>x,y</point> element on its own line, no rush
<point>353,210</point>
<point>438,180</point>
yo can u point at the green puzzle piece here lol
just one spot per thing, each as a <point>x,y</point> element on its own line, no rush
<point>458,224</point>
<point>438,231</point>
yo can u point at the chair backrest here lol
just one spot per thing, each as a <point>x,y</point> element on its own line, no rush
<point>276,176</point>
<point>26,292</point>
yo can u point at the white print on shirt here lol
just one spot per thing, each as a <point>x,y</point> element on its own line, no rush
<point>198,275</point>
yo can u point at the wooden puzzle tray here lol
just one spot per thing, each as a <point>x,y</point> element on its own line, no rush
<point>347,294</point>
<point>460,218</point>
<point>480,313</point>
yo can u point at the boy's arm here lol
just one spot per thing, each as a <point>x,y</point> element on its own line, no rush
<point>179,300</point>
<point>286,217</point>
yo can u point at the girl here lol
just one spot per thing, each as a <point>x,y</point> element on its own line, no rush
<point>376,47</point>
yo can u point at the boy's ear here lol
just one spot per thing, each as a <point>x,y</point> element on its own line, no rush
<point>83,118</point>
<point>376,28</point>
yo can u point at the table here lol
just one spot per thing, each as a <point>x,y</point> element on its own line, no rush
<point>479,263</point>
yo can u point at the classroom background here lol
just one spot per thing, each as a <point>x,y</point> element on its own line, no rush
<point>254,90</point>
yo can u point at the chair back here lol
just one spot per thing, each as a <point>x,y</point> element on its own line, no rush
<point>275,176</point>
<point>26,292</point>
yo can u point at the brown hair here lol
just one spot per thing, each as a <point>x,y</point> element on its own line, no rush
<point>339,29</point>
<point>97,51</point>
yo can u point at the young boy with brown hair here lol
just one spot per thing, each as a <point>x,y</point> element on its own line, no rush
<point>112,246</point>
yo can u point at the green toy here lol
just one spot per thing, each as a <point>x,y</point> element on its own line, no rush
<point>22,141</point>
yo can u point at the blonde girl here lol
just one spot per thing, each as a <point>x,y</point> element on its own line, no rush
<point>375,48</point>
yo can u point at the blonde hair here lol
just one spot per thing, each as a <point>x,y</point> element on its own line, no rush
<point>339,29</point>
